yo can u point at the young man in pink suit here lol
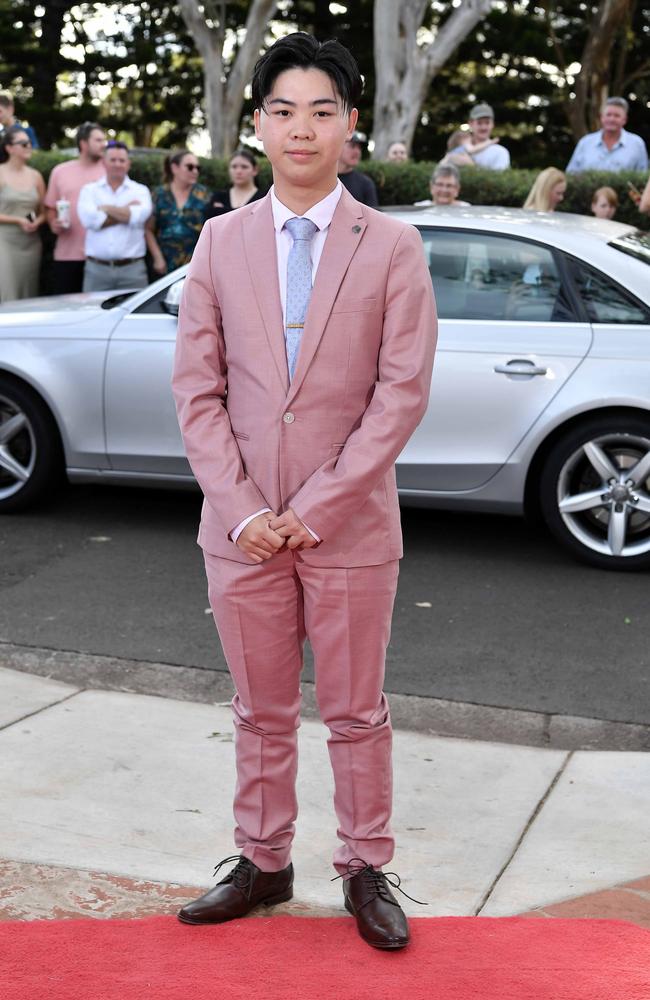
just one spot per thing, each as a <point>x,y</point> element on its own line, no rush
<point>305,346</point>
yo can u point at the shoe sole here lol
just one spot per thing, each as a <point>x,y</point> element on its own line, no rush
<point>374,944</point>
<point>282,897</point>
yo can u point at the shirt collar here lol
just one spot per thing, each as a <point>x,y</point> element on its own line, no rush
<point>320,214</point>
<point>621,139</point>
<point>125,183</point>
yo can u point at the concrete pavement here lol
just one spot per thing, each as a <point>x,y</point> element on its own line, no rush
<point>119,804</point>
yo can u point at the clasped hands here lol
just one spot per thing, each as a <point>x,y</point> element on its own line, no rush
<point>268,533</point>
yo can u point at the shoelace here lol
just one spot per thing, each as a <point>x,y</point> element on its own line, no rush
<point>241,874</point>
<point>375,880</point>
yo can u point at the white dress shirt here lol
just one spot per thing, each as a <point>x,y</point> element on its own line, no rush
<point>321,215</point>
<point>124,240</point>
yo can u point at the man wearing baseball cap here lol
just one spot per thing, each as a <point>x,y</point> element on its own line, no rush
<point>493,156</point>
<point>359,185</point>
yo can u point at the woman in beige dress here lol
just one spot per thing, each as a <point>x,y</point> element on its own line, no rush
<point>22,191</point>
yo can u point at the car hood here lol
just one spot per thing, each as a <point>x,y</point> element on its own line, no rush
<point>84,302</point>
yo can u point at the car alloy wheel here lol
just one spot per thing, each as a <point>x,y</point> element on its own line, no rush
<point>596,493</point>
<point>17,448</point>
<point>30,450</point>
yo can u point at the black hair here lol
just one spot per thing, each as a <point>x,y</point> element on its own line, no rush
<point>302,51</point>
<point>175,158</point>
<point>8,137</point>
<point>245,155</point>
<point>83,132</point>
<point>116,144</point>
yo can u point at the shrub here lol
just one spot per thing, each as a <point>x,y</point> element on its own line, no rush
<point>404,184</point>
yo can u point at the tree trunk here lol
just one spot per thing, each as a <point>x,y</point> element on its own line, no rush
<point>593,79</point>
<point>224,91</point>
<point>591,86</point>
<point>47,68</point>
<point>404,70</point>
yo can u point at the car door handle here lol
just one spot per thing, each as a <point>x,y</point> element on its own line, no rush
<point>520,366</point>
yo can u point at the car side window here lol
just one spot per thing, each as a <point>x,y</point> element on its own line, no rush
<point>605,300</point>
<point>480,276</point>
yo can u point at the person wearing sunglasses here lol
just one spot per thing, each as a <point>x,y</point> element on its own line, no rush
<point>179,206</point>
<point>242,169</point>
<point>22,191</point>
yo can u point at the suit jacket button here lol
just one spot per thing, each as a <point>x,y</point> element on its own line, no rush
<point>288,418</point>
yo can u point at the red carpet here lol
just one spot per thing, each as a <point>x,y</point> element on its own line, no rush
<point>299,958</point>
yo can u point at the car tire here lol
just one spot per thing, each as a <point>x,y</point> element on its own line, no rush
<point>595,492</point>
<point>30,447</point>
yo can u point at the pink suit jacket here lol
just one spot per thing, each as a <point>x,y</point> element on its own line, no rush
<point>324,444</point>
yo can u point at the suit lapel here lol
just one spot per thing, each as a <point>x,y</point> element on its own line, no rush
<point>344,236</point>
<point>262,260</point>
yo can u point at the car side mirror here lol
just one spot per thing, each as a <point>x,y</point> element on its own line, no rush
<point>172,299</point>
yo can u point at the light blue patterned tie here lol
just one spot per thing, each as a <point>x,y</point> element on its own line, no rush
<point>298,286</point>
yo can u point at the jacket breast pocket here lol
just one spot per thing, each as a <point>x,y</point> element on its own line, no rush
<point>241,435</point>
<point>354,305</point>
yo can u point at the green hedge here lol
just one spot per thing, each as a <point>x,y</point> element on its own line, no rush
<point>403,184</point>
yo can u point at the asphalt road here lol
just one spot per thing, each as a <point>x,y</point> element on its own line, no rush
<point>489,611</point>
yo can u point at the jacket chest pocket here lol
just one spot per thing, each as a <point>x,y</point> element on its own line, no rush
<point>348,304</point>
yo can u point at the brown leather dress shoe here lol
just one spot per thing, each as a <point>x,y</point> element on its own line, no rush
<point>381,921</point>
<point>244,888</point>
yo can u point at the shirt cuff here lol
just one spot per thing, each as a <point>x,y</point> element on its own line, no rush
<point>236,531</point>
<point>312,533</point>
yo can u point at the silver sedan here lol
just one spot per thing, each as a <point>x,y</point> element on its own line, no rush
<point>540,401</point>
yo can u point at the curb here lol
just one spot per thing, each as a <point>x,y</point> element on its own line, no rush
<point>435,716</point>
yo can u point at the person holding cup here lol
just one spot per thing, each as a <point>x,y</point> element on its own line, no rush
<point>22,190</point>
<point>66,181</point>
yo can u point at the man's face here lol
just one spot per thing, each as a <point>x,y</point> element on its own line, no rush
<point>350,155</point>
<point>444,190</point>
<point>303,128</point>
<point>397,152</point>
<point>6,114</point>
<point>117,164</point>
<point>613,118</point>
<point>94,145</point>
<point>481,128</point>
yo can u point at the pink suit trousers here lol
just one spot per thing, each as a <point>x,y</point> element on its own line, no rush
<point>263,614</point>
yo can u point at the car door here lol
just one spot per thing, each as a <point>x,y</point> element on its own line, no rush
<point>509,339</point>
<point>142,433</point>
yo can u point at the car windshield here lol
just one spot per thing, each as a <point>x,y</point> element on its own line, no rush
<point>636,244</point>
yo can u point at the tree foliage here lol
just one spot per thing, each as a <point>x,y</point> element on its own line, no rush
<point>137,69</point>
<point>511,61</point>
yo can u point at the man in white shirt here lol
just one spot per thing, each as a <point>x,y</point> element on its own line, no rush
<point>114,211</point>
<point>494,156</point>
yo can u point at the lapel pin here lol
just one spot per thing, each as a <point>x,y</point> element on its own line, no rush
<point>356,229</point>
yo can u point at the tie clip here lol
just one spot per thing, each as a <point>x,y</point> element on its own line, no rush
<point>295,326</point>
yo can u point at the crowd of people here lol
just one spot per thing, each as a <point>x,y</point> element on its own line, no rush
<point>112,232</point>
<point>610,148</point>
<point>106,224</point>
